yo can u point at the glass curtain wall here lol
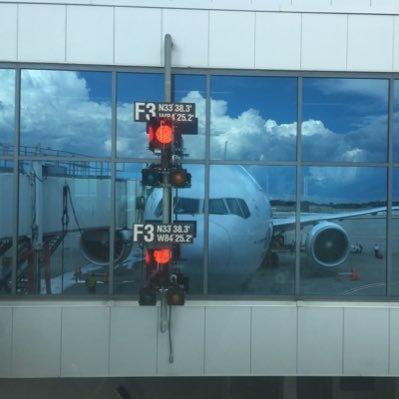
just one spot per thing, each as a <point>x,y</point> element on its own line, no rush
<point>345,123</point>
<point>64,207</point>
<point>7,127</point>
<point>289,183</point>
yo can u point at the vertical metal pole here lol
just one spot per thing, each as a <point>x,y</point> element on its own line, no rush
<point>167,190</point>
<point>168,67</point>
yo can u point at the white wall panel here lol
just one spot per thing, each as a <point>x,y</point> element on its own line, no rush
<point>274,340</point>
<point>187,334</point>
<point>123,339</point>
<point>311,5</point>
<point>8,32</point>
<point>370,43</point>
<point>366,341</point>
<point>231,39</point>
<point>227,340</point>
<point>278,41</point>
<point>352,6</point>
<point>189,30</point>
<point>271,5</point>
<point>138,36</point>
<point>36,342</point>
<point>5,341</point>
<point>41,33</point>
<point>85,341</point>
<point>336,6</point>
<point>203,38</point>
<point>385,6</point>
<point>324,41</point>
<point>133,344</point>
<point>396,44</point>
<point>320,341</point>
<point>90,35</point>
<point>88,2</point>
<point>394,342</point>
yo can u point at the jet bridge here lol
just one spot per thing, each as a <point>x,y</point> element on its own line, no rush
<point>55,200</point>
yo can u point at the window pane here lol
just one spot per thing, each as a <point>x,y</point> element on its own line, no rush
<point>191,89</point>
<point>132,139</point>
<point>246,254</point>
<point>396,122</point>
<point>7,110</point>
<point>6,225</point>
<point>344,233</point>
<point>64,218</point>
<point>253,118</point>
<point>130,196</point>
<point>395,234</point>
<point>65,113</point>
<point>345,120</point>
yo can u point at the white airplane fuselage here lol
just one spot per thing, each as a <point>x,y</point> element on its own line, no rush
<point>240,219</point>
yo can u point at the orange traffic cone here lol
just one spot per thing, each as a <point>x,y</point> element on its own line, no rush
<point>354,274</point>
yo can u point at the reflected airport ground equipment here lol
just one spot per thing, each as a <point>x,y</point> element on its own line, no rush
<point>166,123</point>
<point>353,274</point>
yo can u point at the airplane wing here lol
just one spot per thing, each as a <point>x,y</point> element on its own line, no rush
<point>285,223</point>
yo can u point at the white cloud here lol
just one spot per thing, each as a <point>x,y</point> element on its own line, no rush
<point>377,88</point>
<point>315,128</point>
<point>58,111</point>
<point>7,98</point>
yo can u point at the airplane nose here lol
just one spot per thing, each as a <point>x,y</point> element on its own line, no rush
<point>219,249</point>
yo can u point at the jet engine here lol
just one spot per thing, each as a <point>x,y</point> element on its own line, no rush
<point>327,244</point>
<point>94,244</point>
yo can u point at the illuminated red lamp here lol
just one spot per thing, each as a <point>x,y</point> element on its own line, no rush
<point>160,133</point>
<point>164,134</point>
<point>162,256</point>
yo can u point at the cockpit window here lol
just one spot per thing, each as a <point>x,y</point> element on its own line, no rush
<point>238,206</point>
<point>217,206</point>
<point>186,206</point>
<point>229,206</point>
<point>181,206</point>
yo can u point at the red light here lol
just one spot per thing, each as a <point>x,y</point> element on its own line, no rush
<point>164,134</point>
<point>160,133</point>
<point>162,256</point>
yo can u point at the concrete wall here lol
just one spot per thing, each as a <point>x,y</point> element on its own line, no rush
<point>111,339</point>
<point>333,35</point>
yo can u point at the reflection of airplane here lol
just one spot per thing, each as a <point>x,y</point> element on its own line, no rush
<point>242,231</point>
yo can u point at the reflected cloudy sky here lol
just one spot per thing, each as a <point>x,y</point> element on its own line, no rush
<point>344,120</point>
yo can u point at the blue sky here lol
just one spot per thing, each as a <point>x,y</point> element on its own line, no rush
<point>253,118</point>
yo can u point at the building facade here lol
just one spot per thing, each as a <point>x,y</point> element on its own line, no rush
<point>294,187</point>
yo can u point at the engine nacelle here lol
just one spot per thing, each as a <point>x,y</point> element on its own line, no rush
<point>94,244</point>
<point>327,244</point>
